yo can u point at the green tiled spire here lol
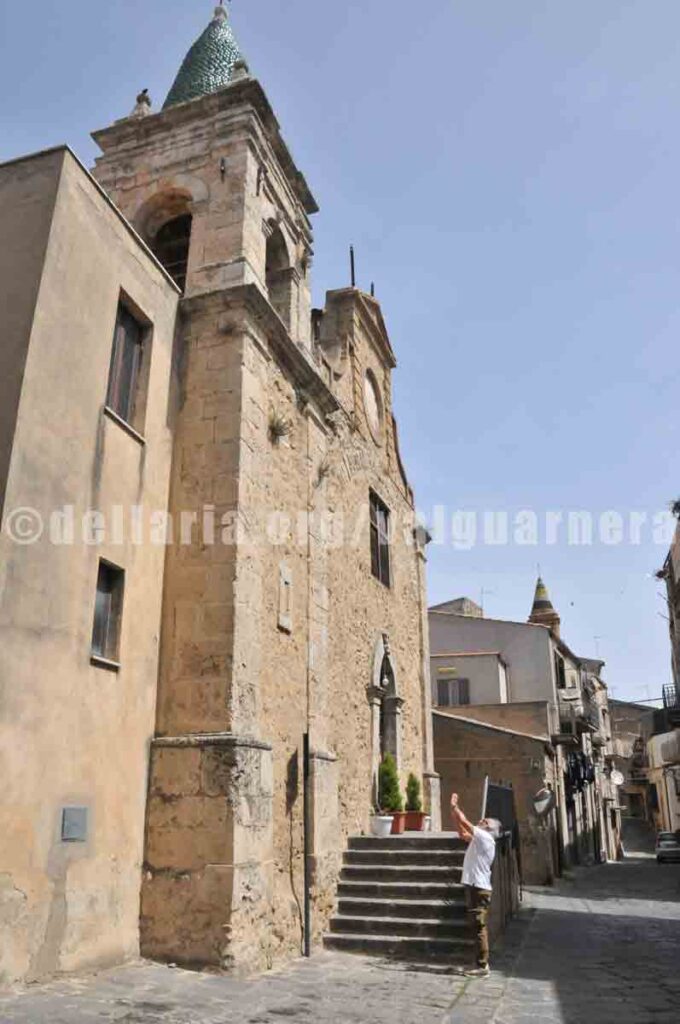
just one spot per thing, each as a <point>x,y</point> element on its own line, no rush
<point>542,611</point>
<point>209,64</point>
<point>542,602</point>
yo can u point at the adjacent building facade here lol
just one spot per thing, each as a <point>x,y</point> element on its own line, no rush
<point>254,571</point>
<point>632,727</point>
<point>523,677</point>
<point>670,574</point>
<point>664,747</point>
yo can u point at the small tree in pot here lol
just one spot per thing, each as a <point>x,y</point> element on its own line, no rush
<point>389,794</point>
<point>415,816</point>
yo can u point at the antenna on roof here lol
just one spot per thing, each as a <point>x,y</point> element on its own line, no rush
<point>352,266</point>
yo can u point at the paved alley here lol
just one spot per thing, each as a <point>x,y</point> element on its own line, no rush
<point>602,946</point>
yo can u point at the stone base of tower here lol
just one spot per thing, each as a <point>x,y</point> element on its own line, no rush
<point>208,874</point>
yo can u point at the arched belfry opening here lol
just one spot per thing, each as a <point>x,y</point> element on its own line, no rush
<point>279,274</point>
<point>165,223</point>
<point>386,707</point>
<point>171,247</point>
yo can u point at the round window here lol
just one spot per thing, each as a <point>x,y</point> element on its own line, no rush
<point>373,406</point>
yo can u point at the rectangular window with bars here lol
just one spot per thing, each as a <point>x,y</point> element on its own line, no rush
<point>380,539</point>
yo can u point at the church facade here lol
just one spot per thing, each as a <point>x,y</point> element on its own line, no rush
<point>268,584</point>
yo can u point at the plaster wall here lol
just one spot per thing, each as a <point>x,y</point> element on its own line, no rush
<point>534,717</point>
<point>525,648</point>
<point>27,194</point>
<point>72,733</point>
<point>484,672</point>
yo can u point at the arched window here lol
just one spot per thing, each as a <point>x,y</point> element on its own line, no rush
<point>171,247</point>
<point>277,275</point>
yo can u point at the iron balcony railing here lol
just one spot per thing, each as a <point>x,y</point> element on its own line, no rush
<point>671,698</point>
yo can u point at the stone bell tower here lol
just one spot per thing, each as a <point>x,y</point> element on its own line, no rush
<point>211,187</point>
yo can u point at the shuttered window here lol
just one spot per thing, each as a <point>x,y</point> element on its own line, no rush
<point>126,361</point>
<point>452,693</point>
<point>380,539</point>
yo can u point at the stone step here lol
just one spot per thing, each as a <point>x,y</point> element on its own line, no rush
<point>400,947</point>
<point>439,910</point>
<point>409,926</point>
<point>412,841</point>
<point>417,858</point>
<point>398,890</point>
<point>399,873</point>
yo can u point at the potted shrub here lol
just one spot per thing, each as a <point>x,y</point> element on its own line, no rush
<point>389,794</point>
<point>415,817</point>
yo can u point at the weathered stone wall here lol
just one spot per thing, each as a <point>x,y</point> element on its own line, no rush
<point>204,886</point>
<point>533,717</point>
<point>465,754</point>
<point>274,633</point>
<point>198,613</point>
<point>71,732</point>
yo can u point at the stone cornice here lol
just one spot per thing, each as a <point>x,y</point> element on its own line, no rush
<point>213,739</point>
<point>306,377</point>
<point>246,91</point>
<point>370,320</point>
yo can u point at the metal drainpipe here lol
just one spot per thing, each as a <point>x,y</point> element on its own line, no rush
<point>306,791</point>
<point>669,804</point>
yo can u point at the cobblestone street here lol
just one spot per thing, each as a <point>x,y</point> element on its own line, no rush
<point>603,946</point>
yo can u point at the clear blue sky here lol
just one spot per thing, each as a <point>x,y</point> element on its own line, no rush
<point>509,175</point>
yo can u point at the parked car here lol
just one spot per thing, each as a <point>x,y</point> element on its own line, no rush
<point>667,847</point>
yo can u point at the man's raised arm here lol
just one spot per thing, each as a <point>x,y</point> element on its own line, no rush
<point>463,826</point>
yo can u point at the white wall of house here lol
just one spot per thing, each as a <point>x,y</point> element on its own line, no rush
<point>483,675</point>
<point>525,648</point>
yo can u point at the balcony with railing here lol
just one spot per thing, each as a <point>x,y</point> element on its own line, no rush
<point>671,703</point>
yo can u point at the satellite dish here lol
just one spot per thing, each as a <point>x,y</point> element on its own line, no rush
<point>617,778</point>
<point>543,802</point>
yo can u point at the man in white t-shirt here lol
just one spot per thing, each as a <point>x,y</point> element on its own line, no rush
<point>479,858</point>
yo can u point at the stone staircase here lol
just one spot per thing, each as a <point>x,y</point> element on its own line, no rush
<point>402,897</point>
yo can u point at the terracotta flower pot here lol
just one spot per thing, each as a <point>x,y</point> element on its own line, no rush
<point>415,821</point>
<point>398,822</point>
